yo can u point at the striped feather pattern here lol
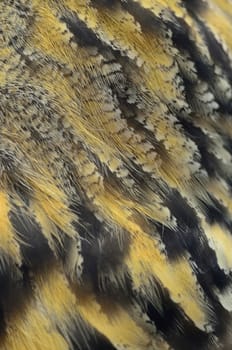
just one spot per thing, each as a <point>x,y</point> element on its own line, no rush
<point>115,174</point>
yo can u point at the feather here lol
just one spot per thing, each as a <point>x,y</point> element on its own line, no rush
<point>115,174</point>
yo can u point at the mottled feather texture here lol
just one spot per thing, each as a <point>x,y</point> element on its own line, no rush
<point>115,174</point>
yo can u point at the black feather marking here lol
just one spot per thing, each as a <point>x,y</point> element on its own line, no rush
<point>34,246</point>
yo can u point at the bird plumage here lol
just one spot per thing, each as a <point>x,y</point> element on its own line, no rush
<point>115,174</point>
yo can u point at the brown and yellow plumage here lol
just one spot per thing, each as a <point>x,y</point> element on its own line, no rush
<point>115,174</point>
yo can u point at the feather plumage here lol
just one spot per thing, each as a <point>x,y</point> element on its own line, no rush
<point>115,174</point>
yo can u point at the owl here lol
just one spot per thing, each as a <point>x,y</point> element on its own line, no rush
<point>115,174</point>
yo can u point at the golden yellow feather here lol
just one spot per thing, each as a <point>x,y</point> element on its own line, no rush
<point>115,174</point>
